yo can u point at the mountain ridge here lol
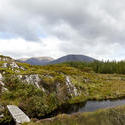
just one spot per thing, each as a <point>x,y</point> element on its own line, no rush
<point>72,58</point>
<point>36,60</point>
<point>49,60</point>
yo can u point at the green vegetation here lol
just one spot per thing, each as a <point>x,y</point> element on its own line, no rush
<point>87,78</point>
<point>7,120</point>
<point>112,116</point>
<point>106,67</point>
<point>37,103</point>
<point>29,98</point>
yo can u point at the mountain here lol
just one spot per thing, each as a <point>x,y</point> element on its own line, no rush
<point>72,58</point>
<point>36,60</point>
<point>43,92</point>
<point>49,60</point>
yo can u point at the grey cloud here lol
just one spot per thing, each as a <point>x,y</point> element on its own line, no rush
<point>25,15</point>
<point>81,24</point>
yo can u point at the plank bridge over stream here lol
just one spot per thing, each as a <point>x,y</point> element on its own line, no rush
<point>18,115</point>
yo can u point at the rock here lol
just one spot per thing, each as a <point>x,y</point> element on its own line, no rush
<point>18,115</point>
<point>1,83</point>
<point>5,65</point>
<point>14,65</point>
<point>4,89</point>
<point>1,77</point>
<point>5,59</point>
<point>72,90</point>
<point>31,79</point>
<point>1,116</point>
<point>22,68</point>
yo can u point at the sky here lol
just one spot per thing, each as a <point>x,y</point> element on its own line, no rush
<point>56,28</point>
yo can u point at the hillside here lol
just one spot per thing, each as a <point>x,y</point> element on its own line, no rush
<point>41,90</point>
<point>72,58</point>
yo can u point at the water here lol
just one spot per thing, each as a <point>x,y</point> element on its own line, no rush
<point>91,106</point>
<point>88,106</point>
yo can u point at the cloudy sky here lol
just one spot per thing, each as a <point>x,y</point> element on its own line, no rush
<point>58,27</point>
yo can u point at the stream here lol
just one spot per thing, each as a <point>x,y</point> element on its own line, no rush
<point>88,106</point>
<point>91,106</point>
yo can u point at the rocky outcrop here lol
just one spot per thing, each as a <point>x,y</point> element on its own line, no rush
<point>31,79</point>
<point>62,89</point>
<point>1,83</point>
<point>72,90</point>
<point>1,77</point>
<point>13,65</point>
<point>4,58</point>
<point>5,65</point>
<point>3,88</point>
<point>1,116</point>
<point>10,63</point>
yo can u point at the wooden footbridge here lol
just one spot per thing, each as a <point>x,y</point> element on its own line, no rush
<point>18,115</point>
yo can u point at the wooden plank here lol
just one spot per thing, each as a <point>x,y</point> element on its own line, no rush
<point>18,115</point>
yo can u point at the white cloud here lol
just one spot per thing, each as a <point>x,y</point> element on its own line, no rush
<point>18,48</point>
<point>95,28</point>
<point>51,47</point>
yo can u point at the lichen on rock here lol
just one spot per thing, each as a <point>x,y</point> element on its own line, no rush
<point>72,90</point>
<point>33,79</point>
<point>14,65</point>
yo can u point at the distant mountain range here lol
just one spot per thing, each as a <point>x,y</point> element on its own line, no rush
<point>49,60</point>
<point>36,60</point>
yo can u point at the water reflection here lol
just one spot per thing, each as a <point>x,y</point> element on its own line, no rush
<point>94,105</point>
<point>89,106</point>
